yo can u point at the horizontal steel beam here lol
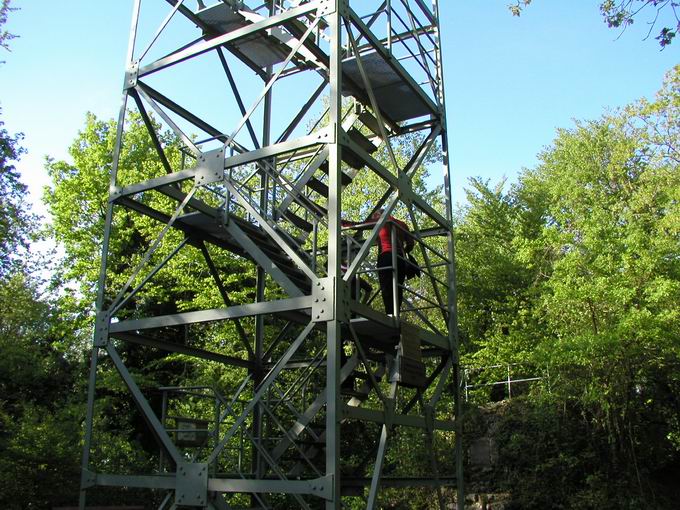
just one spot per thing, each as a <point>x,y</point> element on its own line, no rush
<point>216,314</point>
<point>137,481</point>
<point>321,487</point>
<point>359,413</point>
<point>433,232</point>
<point>154,183</point>
<point>277,149</point>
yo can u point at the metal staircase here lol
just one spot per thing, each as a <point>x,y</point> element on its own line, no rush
<point>328,381</point>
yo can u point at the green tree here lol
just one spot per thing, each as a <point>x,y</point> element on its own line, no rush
<point>576,268</point>
<point>77,200</point>
<point>622,13</point>
<point>17,223</point>
<point>38,419</point>
<point>41,388</point>
<point>615,283</point>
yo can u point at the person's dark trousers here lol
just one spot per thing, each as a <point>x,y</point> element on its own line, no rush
<point>385,277</point>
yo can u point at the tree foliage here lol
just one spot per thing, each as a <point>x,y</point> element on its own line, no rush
<point>38,417</point>
<point>5,36</point>
<point>575,271</point>
<point>17,223</point>
<point>623,13</point>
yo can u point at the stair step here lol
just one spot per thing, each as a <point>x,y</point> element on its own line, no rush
<point>274,251</point>
<point>260,50</point>
<point>265,242</point>
<point>310,205</point>
<point>299,222</point>
<point>353,159</point>
<point>318,186</point>
<point>362,141</point>
<point>346,179</point>
<point>371,123</point>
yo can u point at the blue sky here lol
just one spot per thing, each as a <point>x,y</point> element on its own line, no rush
<point>510,82</point>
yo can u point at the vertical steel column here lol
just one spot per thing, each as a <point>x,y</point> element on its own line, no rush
<point>451,270</point>
<point>389,25</point>
<point>261,274</point>
<point>333,327</point>
<point>101,284</point>
<point>395,271</point>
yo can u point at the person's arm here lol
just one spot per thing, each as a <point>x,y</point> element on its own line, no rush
<point>405,236</point>
<point>371,220</point>
<point>409,244</point>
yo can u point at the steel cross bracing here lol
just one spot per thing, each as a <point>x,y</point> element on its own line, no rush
<point>269,121</point>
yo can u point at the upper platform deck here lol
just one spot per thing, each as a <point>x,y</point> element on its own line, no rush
<point>390,52</point>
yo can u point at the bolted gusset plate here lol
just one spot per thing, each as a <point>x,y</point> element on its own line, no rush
<point>323,293</point>
<point>192,484</point>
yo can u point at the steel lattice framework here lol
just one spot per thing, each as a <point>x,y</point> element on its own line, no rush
<point>332,392</point>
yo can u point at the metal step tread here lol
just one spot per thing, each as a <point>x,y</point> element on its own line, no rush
<point>310,205</point>
<point>360,139</point>
<point>371,123</point>
<point>319,186</point>
<point>346,179</point>
<point>298,221</point>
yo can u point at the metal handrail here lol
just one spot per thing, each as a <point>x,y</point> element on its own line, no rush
<point>508,381</point>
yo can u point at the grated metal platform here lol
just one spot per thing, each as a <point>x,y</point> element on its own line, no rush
<point>394,96</point>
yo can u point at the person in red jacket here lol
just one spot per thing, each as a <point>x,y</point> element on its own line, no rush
<point>403,244</point>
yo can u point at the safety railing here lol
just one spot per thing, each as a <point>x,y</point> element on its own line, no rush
<point>503,376</point>
<point>406,296</point>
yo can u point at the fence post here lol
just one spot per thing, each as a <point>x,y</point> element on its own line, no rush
<point>465,382</point>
